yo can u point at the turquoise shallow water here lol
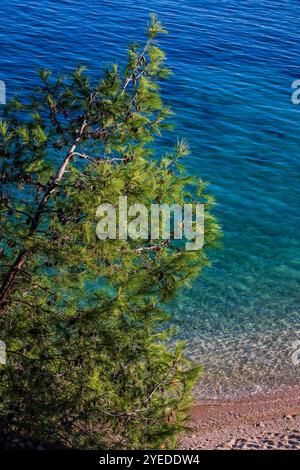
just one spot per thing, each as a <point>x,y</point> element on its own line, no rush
<point>233,62</point>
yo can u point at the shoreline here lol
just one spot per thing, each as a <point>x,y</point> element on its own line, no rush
<point>263,421</point>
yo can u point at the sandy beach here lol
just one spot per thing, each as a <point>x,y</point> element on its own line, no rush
<point>262,421</point>
<point>258,422</point>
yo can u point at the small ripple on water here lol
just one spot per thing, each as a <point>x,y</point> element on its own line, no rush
<point>245,364</point>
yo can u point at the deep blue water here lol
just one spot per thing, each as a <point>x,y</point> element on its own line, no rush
<point>233,63</point>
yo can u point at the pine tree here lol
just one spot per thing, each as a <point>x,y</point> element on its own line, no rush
<point>90,358</point>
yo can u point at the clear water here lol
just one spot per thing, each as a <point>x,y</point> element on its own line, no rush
<point>233,62</point>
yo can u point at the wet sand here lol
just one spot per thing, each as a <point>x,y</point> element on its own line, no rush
<point>262,421</point>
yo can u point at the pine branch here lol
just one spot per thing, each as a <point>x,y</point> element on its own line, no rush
<point>21,258</point>
<point>100,159</point>
<point>157,247</point>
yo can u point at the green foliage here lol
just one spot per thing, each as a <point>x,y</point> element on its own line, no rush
<point>91,363</point>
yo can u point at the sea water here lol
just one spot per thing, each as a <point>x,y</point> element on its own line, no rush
<point>234,62</point>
